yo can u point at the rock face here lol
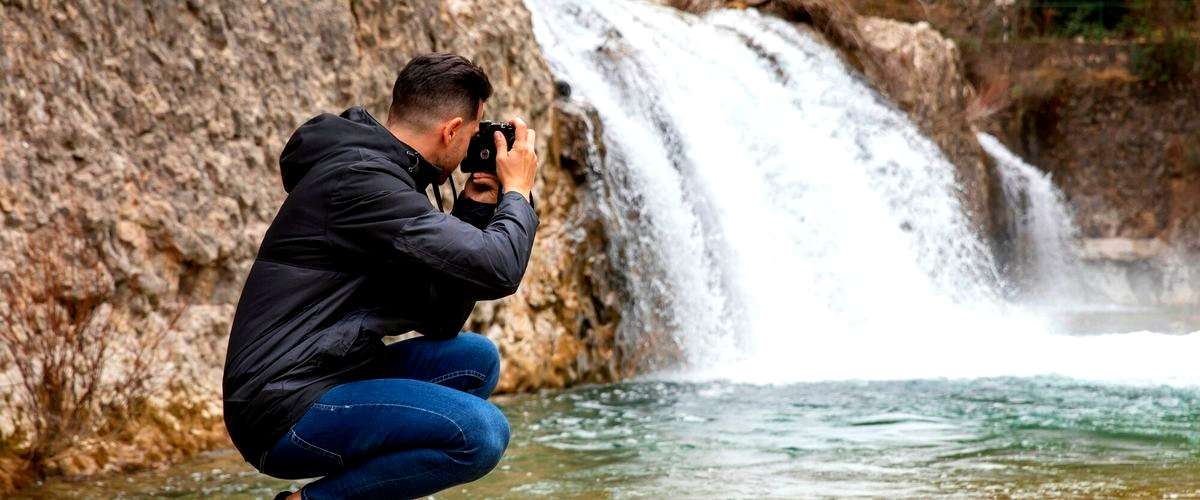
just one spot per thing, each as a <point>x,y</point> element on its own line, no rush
<point>141,139</point>
<point>1142,271</point>
<point>1143,179</point>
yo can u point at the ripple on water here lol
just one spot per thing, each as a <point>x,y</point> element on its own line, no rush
<point>988,437</point>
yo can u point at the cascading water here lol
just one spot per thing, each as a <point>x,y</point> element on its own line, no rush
<point>1044,237</point>
<point>783,221</point>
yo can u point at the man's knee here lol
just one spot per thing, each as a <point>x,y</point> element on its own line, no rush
<point>486,435</point>
<point>481,348</point>
<point>485,355</point>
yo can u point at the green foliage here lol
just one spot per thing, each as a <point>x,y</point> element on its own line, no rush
<point>1175,58</point>
<point>1105,19</point>
<point>1093,19</point>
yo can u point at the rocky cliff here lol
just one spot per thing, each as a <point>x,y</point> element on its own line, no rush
<point>140,141</point>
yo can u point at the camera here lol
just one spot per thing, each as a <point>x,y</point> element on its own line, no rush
<point>481,152</point>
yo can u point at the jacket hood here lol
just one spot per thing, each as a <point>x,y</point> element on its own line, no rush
<point>328,134</point>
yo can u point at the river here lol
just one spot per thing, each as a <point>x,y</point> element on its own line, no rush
<point>1012,437</point>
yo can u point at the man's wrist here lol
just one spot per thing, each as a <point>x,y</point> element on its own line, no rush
<point>523,192</point>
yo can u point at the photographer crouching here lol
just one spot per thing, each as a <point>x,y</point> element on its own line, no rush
<point>358,252</point>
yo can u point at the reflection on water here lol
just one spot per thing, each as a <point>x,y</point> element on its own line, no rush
<point>1015,437</point>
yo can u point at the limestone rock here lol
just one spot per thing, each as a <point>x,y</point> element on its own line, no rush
<point>1121,249</point>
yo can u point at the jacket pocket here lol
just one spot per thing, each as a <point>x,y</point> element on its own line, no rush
<point>345,333</point>
<point>324,353</point>
<point>341,338</point>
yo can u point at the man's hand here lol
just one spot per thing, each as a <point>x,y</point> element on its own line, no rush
<point>483,188</point>
<point>517,168</point>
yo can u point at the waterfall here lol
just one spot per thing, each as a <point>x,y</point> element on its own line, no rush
<point>1042,230</point>
<point>774,215</point>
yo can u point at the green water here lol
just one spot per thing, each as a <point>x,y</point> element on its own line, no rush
<point>1032,437</point>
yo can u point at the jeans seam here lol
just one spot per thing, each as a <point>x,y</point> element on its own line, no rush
<point>448,376</point>
<point>389,480</point>
<point>324,406</point>
<point>448,419</point>
<point>312,447</point>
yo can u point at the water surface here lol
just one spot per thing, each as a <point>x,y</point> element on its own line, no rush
<point>1020,437</point>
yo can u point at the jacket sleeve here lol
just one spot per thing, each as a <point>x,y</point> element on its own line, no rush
<point>449,310</point>
<point>452,302</point>
<point>472,212</point>
<point>376,216</point>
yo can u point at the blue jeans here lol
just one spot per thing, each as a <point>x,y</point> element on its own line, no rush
<point>425,428</point>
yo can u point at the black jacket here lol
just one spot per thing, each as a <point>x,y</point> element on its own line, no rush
<point>356,252</point>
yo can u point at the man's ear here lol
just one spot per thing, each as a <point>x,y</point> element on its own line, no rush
<point>451,128</point>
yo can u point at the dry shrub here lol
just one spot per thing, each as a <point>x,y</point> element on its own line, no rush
<point>995,95</point>
<point>59,346</point>
<point>56,342</point>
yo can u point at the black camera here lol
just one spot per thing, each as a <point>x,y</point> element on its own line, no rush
<point>481,152</point>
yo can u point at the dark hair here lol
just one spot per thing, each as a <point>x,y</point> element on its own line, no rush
<point>433,87</point>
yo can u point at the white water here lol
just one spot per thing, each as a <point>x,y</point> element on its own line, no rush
<point>785,223</point>
<point>1043,230</point>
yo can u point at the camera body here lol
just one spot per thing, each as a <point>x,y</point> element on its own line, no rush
<point>481,152</point>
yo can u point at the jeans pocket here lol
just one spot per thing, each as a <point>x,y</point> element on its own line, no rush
<point>295,458</point>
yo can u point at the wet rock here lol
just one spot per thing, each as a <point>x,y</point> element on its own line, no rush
<point>1121,249</point>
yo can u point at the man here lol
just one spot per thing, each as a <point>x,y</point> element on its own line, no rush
<point>357,252</point>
